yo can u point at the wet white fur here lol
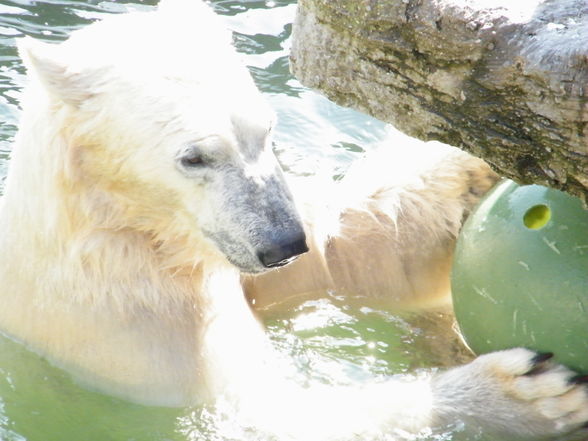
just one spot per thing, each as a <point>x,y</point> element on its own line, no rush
<point>105,270</point>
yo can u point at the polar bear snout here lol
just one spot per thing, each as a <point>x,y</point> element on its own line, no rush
<point>252,219</point>
<point>283,251</point>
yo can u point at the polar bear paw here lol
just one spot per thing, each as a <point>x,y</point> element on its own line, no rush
<point>554,392</point>
<point>517,391</point>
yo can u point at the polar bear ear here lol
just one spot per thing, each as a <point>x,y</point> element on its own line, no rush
<point>48,63</point>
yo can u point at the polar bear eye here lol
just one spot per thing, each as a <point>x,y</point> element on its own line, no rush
<point>193,161</point>
<point>192,158</point>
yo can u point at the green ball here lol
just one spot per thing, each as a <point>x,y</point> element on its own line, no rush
<point>520,273</point>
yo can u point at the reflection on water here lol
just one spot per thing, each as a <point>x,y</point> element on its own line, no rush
<point>329,342</point>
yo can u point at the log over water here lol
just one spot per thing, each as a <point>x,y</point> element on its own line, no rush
<point>506,80</point>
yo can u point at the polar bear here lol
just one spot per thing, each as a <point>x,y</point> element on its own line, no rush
<point>144,207</point>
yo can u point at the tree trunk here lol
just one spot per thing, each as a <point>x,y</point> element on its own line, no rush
<point>504,79</point>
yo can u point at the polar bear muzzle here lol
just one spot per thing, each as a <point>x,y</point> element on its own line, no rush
<point>252,219</point>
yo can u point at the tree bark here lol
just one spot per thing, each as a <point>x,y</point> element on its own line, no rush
<point>505,80</point>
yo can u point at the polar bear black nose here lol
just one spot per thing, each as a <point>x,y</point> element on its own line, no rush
<point>283,252</point>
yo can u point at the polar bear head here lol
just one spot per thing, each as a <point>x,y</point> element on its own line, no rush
<point>164,131</point>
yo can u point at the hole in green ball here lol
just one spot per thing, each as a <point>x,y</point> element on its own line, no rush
<point>537,217</point>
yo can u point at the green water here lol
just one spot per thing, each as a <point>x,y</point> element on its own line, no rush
<point>328,341</point>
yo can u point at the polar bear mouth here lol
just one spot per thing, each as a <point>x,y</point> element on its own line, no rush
<point>281,263</point>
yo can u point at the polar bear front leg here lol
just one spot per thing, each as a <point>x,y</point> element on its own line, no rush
<point>515,392</point>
